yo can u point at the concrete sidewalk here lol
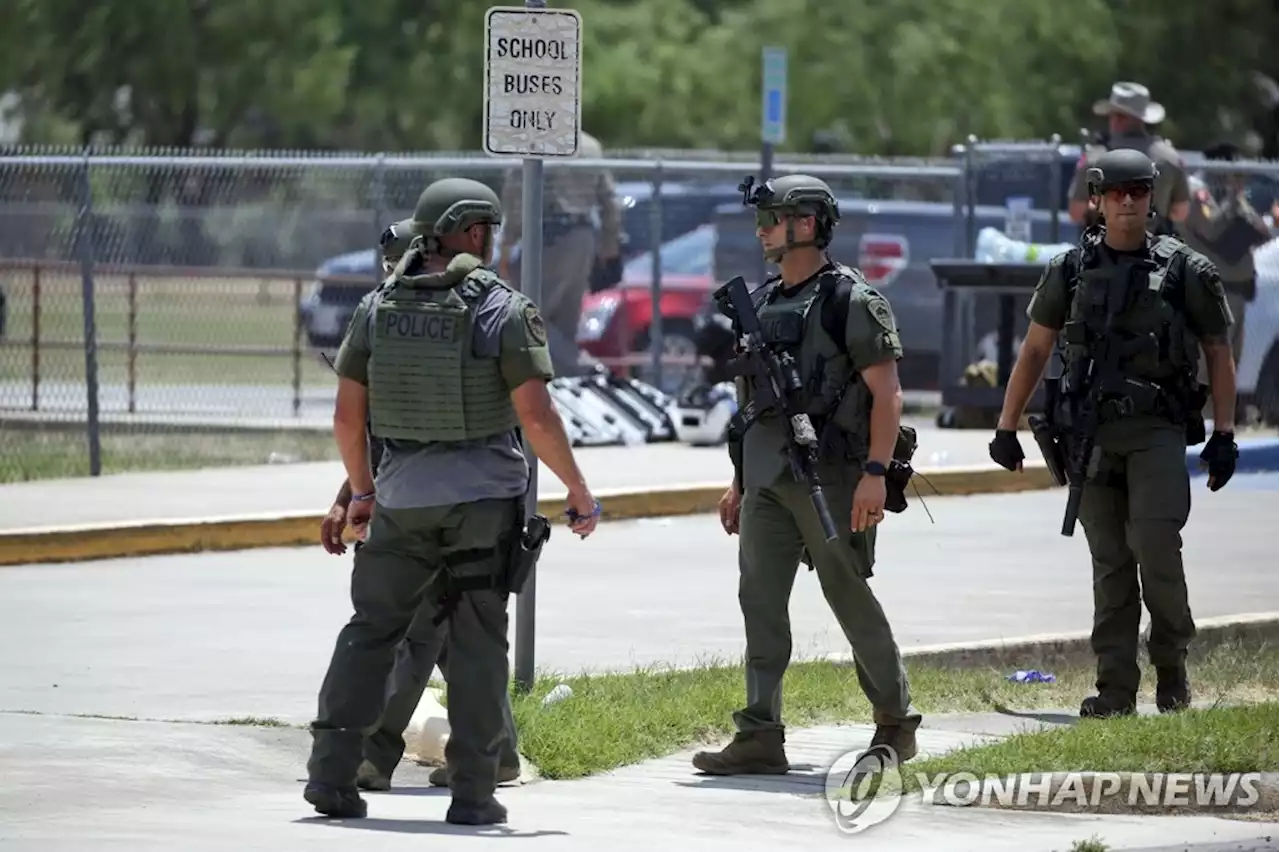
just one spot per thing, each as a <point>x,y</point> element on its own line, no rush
<point>92,784</point>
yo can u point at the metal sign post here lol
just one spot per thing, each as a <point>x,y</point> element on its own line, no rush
<point>532,109</point>
<point>773,114</point>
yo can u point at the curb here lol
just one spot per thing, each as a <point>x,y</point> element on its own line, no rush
<point>1257,455</point>
<point>299,529</point>
<point>1049,648</point>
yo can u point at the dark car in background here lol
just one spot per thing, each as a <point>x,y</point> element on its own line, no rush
<point>343,280</point>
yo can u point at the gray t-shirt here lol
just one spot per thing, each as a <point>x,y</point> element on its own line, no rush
<point>413,475</point>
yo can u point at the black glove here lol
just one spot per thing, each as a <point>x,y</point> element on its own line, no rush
<point>1219,457</point>
<point>1005,449</point>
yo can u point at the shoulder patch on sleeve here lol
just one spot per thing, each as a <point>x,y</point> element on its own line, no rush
<point>536,326</point>
<point>879,309</point>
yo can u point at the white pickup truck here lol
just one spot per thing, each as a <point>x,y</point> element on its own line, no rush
<point>1257,381</point>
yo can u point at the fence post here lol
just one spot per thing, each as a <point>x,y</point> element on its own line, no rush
<point>656,331</point>
<point>133,342</point>
<point>85,234</point>
<point>35,337</point>
<point>531,287</point>
<point>379,211</point>
<point>1055,189</point>
<point>297,346</point>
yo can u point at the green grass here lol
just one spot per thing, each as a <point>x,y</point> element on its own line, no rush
<point>206,312</point>
<point>29,455</point>
<point>1216,739</point>
<point>618,719</point>
<point>1093,844</point>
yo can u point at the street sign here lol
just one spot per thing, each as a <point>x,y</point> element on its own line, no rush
<point>532,82</point>
<point>773,96</point>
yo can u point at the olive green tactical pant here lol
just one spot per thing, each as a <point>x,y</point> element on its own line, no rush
<point>776,524</point>
<point>395,569</point>
<point>423,649</point>
<point>1132,512</point>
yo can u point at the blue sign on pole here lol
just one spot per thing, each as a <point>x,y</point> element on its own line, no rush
<point>773,96</point>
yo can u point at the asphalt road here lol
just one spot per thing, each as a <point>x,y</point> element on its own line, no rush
<point>232,634</point>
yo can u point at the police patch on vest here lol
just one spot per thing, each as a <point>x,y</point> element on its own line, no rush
<point>438,327</point>
<point>879,309</point>
<point>534,323</point>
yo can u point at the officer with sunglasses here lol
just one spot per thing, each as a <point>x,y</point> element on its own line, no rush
<point>1132,313</point>
<point>844,341</point>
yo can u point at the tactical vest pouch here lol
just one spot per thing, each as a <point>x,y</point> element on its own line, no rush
<point>1075,333</point>
<point>785,329</point>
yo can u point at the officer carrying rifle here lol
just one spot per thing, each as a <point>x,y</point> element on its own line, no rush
<point>1132,312</point>
<point>814,442</point>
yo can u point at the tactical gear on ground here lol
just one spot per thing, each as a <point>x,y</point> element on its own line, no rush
<point>793,195</point>
<point>750,753</point>
<point>454,204</point>
<point>425,382</point>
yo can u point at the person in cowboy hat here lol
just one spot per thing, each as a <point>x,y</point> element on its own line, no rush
<point>1129,112</point>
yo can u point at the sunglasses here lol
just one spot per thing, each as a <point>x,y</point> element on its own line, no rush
<point>1137,191</point>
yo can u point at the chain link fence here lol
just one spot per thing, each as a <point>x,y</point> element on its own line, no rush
<point>171,309</point>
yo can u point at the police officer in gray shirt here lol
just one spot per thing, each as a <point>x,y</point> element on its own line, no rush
<point>424,646</point>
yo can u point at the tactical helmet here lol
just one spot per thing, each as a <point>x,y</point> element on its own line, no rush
<point>453,204</point>
<point>395,240</point>
<point>1119,167</point>
<point>803,195</point>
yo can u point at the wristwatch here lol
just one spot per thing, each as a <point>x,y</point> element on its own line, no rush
<point>874,468</point>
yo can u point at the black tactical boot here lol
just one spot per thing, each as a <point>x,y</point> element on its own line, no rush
<point>439,776</point>
<point>1106,704</point>
<point>754,753</point>
<point>335,802</point>
<point>898,738</point>
<point>473,813</point>
<point>368,777</point>
<point>1173,693</point>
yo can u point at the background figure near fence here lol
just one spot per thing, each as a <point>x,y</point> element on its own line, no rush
<point>571,245</point>
<point>1223,225</point>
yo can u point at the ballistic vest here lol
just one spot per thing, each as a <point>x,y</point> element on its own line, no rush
<point>830,392</point>
<point>1159,347</point>
<point>425,382</point>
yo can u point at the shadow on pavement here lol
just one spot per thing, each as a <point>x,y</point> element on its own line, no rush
<point>415,826</point>
<point>804,779</point>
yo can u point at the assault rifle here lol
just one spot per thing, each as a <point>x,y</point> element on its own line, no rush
<point>1095,382</point>
<point>775,387</point>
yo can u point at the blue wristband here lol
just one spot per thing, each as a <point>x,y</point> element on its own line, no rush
<point>363,498</point>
